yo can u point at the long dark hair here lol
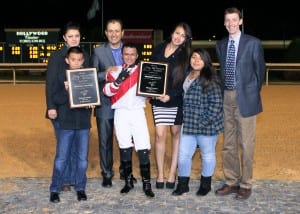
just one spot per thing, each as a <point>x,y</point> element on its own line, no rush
<point>184,53</point>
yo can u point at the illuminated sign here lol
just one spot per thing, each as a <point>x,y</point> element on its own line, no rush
<point>30,44</point>
<point>138,35</point>
<point>32,35</point>
<point>35,45</point>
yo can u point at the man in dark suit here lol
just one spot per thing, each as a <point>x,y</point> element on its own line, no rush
<point>242,102</point>
<point>106,58</point>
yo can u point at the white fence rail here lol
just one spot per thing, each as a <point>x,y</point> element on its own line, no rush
<point>41,67</point>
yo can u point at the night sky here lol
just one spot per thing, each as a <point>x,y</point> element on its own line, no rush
<point>278,21</point>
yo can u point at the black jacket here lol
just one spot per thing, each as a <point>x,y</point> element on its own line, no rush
<point>57,64</point>
<point>76,118</point>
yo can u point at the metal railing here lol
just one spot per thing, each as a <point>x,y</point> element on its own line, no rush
<point>41,67</point>
<point>275,67</point>
<point>280,67</point>
<point>14,67</point>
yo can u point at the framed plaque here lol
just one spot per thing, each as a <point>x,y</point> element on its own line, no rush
<point>83,87</point>
<point>152,80</point>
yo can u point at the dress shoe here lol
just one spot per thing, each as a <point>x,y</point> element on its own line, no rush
<point>81,196</point>
<point>66,187</point>
<point>226,190</point>
<point>170,185</point>
<point>107,182</point>
<point>159,185</point>
<point>54,197</point>
<point>243,193</point>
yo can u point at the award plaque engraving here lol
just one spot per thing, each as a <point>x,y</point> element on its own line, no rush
<point>152,80</point>
<point>83,87</point>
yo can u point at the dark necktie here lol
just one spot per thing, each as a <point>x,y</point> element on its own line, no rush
<point>230,67</point>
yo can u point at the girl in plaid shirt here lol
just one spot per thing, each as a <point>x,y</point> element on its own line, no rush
<point>202,121</point>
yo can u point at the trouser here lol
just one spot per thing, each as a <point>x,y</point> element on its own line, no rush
<point>187,148</point>
<point>79,139</point>
<point>105,129</point>
<point>239,133</point>
<point>69,172</point>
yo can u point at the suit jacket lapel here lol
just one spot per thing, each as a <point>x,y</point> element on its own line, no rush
<point>241,47</point>
<point>110,56</point>
<point>224,50</point>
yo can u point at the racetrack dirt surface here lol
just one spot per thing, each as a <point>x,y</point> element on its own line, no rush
<point>27,144</point>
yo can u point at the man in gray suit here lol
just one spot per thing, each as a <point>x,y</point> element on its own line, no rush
<point>106,58</point>
<point>242,102</point>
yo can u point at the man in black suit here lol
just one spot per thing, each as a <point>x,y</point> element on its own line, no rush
<point>242,102</point>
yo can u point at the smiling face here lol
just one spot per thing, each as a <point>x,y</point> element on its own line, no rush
<point>232,22</point>
<point>114,33</point>
<point>130,55</point>
<point>196,62</point>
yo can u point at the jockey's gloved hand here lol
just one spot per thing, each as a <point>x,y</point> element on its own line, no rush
<point>122,76</point>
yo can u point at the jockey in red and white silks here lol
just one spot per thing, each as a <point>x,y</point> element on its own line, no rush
<point>129,109</point>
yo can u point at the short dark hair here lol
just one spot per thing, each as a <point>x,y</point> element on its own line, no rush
<point>75,49</point>
<point>233,10</point>
<point>113,21</point>
<point>130,45</point>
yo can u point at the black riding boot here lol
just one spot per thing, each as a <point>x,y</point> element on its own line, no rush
<point>145,173</point>
<point>182,186</point>
<point>121,170</point>
<point>127,167</point>
<point>205,186</point>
